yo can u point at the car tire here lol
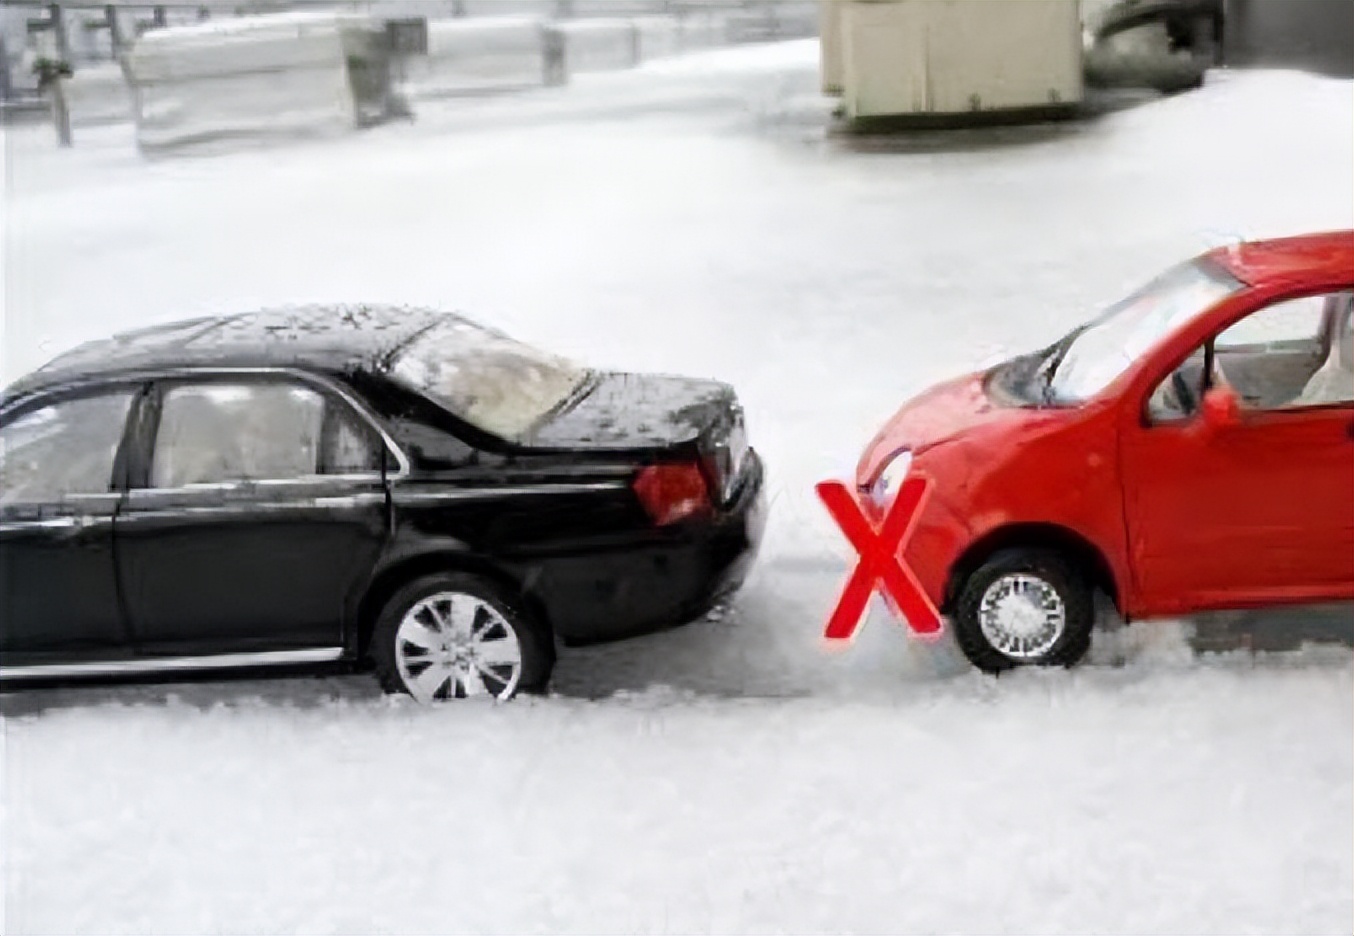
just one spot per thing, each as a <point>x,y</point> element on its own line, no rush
<point>1024,607</point>
<point>453,635</point>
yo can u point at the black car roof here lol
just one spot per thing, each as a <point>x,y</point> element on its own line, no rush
<point>322,337</point>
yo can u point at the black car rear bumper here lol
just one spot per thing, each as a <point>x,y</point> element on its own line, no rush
<point>661,580</point>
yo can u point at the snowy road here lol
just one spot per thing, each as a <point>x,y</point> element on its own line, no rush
<point>731,776</point>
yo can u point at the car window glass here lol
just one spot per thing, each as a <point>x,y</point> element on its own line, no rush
<point>221,432</point>
<point>496,384</point>
<point>1277,358</point>
<point>1333,381</point>
<point>1108,346</point>
<point>1289,321</point>
<point>353,446</point>
<point>62,449</point>
<point>1177,396</point>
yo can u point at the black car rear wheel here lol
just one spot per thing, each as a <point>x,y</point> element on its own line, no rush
<point>1024,607</point>
<point>454,635</point>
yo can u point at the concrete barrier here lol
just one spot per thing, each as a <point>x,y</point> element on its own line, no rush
<point>598,44</point>
<point>659,36</point>
<point>704,30</point>
<point>326,71</point>
<point>830,64</point>
<point>771,22</point>
<point>99,94</point>
<point>481,53</point>
<point>283,74</point>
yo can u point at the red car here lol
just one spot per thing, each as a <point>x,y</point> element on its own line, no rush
<point>1191,449</point>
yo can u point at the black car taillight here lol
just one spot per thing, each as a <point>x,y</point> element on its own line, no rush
<point>713,470</point>
<point>724,454</point>
<point>673,492</point>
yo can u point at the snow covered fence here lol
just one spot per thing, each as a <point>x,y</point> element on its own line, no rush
<point>306,73</point>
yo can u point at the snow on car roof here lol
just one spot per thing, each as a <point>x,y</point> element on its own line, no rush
<point>329,336</point>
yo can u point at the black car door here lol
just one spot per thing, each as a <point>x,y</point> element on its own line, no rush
<point>253,519</point>
<point>58,498</point>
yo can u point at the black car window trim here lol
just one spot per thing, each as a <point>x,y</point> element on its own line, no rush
<point>139,482</point>
<point>150,378</point>
<point>337,416</point>
<point>136,387</point>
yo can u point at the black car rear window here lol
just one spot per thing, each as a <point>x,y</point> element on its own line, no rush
<point>497,384</point>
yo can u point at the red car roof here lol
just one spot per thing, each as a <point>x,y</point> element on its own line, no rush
<point>1312,258</point>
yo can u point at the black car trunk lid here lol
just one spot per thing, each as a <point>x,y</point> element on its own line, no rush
<point>629,412</point>
<point>653,415</point>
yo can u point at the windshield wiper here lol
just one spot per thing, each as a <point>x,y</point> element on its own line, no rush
<point>1050,368</point>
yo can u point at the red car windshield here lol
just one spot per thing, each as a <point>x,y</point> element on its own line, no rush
<point>1108,346</point>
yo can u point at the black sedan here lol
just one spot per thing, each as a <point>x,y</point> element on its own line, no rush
<point>394,487</point>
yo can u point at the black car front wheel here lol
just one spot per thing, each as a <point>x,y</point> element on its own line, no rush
<point>454,635</point>
<point>1024,607</point>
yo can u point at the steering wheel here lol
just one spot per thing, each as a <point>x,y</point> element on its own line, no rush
<point>1184,393</point>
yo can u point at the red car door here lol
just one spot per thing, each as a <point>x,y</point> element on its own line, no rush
<point>1258,512</point>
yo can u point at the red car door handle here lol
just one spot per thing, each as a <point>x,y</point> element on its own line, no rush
<point>1349,429</point>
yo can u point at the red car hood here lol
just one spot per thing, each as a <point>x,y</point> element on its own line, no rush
<point>944,412</point>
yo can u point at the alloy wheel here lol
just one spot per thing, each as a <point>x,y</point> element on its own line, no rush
<point>452,645</point>
<point>1022,616</point>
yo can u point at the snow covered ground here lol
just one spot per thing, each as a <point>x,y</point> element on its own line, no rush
<point>693,216</point>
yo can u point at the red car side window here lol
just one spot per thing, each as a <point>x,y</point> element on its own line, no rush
<point>1293,353</point>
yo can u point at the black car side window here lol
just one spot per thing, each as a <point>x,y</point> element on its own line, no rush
<point>237,431</point>
<point>66,448</point>
<point>267,430</point>
<point>351,445</point>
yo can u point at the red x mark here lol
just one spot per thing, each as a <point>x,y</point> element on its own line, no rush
<point>880,547</point>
